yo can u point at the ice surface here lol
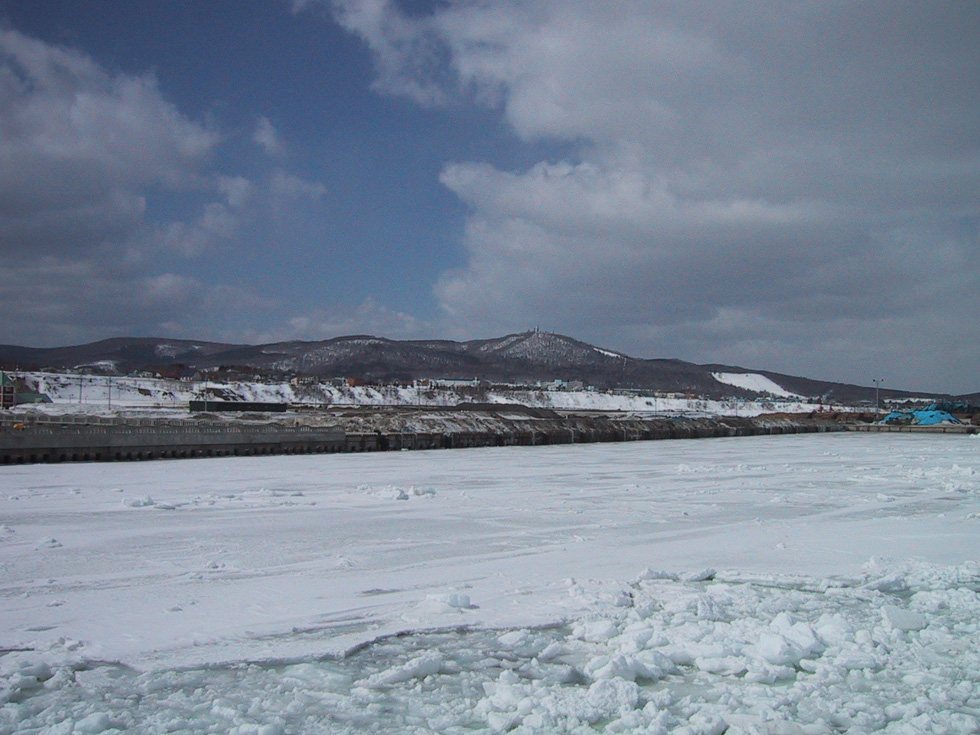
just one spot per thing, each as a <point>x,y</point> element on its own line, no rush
<point>635,588</point>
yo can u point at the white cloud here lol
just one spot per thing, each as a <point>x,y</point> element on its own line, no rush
<point>79,146</point>
<point>407,51</point>
<point>218,221</point>
<point>813,170</point>
<point>82,150</point>
<point>266,137</point>
<point>237,190</point>
<point>369,317</point>
<point>298,6</point>
<point>290,185</point>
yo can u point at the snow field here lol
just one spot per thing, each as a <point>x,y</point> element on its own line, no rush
<point>73,393</point>
<point>798,584</point>
<point>754,382</point>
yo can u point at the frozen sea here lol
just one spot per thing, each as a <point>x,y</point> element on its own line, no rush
<point>794,584</point>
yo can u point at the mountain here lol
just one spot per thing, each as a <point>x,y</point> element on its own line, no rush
<point>524,358</point>
<point>125,354</point>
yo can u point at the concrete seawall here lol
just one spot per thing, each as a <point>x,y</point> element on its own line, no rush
<point>117,439</point>
<point>908,429</point>
<point>45,442</point>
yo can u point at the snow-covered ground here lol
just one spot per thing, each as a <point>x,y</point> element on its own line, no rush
<point>92,393</point>
<point>754,382</point>
<point>796,584</point>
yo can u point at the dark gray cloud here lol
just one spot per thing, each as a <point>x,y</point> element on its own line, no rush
<point>792,188</point>
<point>103,297</point>
<point>80,147</point>
<point>82,151</point>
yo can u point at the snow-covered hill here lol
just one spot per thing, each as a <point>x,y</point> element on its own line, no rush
<point>543,348</point>
<point>525,358</point>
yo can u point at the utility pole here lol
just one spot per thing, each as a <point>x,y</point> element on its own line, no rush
<point>877,382</point>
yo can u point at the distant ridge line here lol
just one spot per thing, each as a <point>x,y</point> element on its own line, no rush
<point>526,358</point>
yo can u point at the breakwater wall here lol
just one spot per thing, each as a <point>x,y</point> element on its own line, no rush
<point>117,439</point>
<point>912,429</point>
<point>26,442</point>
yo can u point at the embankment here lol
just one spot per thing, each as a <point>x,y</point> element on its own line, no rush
<point>30,440</point>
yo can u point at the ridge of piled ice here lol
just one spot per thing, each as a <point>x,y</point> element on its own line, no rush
<point>686,657</point>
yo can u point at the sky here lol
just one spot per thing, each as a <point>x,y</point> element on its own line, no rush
<point>793,188</point>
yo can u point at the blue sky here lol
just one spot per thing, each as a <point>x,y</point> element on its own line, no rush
<point>709,181</point>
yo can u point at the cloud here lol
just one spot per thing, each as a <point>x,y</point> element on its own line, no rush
<point>82,151</point>
<point>237,190</point>
<point>299,6</point>
<point>813,172</point>
<point>79,147</point>
<point>65,301</point>
<point>407,51</point>
<point>368,317</point>
<point>217,222</point>
<point>266,137</point>
<point>289,185</point>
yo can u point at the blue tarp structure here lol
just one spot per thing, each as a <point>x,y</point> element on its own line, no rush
<point>952,407</point>
<point>930,418</point>
<point>920,418</point>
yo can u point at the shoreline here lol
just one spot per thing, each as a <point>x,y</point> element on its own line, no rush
<point>33,440</point>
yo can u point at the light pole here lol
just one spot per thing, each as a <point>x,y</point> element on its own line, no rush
<point>877,382</point>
